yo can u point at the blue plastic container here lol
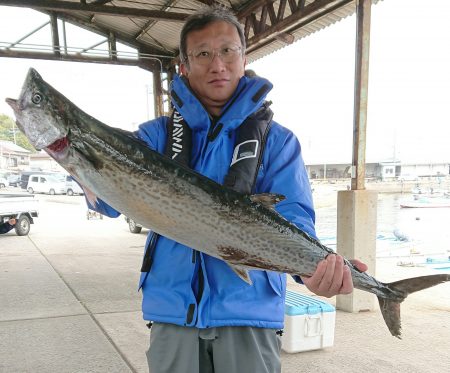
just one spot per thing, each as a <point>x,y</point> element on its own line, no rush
<point>299,304</point>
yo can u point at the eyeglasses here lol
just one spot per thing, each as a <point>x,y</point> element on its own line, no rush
<point>204,56</point>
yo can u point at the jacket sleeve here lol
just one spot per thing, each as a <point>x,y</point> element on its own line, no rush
<point>149,132</point>
<point>284,172</point>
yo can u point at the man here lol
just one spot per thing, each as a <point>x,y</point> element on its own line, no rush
<point>7,226</point>
<point>205,318</point>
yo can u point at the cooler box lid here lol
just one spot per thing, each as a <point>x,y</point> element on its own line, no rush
<point>299,304</point>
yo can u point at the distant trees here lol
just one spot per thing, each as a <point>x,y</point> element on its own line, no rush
<point>7,126</point>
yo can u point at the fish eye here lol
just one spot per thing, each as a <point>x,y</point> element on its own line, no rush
<point>36,98</point>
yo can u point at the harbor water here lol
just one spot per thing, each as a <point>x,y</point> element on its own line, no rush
<point>415,235</point>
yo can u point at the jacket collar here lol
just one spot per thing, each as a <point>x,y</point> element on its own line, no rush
<point>247,98</point>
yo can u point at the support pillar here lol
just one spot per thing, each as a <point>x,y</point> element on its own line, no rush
<point>55,34</point>
<point>158,94</point>
<point>356,238</point>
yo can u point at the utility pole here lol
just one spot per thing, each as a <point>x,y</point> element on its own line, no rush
<point>1,155</point>
<point>14,132</point>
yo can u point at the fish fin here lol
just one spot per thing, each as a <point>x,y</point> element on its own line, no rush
<point>242,273</point>
<point>390,308</point>
<point>268,200</point>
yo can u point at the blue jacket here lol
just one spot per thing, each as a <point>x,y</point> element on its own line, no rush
<point>170,288</point>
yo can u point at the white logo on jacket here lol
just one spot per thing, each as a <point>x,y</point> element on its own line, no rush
<point>244,150</point>
<point>177,135</point>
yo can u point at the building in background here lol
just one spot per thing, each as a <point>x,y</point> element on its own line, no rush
<point>381,170</point>
<point>13,157</point>
<point>42,161</point>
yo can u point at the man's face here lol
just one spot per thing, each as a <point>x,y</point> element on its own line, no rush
<point>213,82</point>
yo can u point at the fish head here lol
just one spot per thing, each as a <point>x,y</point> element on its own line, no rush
<point>40,112</point>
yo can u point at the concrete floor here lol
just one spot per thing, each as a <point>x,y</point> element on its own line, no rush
<point>69,303</point>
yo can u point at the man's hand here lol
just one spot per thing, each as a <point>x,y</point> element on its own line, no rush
<point>332,277</point>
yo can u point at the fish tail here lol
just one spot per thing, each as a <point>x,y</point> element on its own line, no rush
<point>399,290</point>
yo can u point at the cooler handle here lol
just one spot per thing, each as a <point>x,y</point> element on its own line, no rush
<point>317,320</point>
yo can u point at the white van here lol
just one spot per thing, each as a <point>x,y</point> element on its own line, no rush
<point>46,184</point>
<point>72,187</point>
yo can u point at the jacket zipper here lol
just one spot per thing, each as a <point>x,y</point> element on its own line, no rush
<point>200,284</point>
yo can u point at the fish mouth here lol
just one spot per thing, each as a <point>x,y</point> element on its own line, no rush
<point>13,103</point>
<point>59,145</point>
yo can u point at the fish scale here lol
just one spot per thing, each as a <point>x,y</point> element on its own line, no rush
<point>176,202</point>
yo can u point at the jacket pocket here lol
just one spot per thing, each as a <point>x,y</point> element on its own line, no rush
<point>277,282</point>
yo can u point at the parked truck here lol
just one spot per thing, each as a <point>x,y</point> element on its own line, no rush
<point>22,207</point>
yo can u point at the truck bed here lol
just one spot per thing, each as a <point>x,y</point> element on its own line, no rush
<point>13,204</point>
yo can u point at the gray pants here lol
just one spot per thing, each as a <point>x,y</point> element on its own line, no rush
<point>179,349</point>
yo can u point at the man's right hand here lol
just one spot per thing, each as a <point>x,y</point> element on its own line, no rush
<point>332,276</point>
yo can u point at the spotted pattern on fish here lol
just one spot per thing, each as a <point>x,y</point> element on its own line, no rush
<point>180,203</point>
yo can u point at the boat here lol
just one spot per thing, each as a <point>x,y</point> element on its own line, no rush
<point>437,263</point>
<point>426,202</point>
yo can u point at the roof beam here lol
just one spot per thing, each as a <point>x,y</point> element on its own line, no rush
<point>207,2</point>
<point>106,32</point>
<point>150,23</point>
<point>27,35</point>
<point>252,7</point>
<point>55,34</point>
<point>151,65</point>
<point>101,2</point>
<point>118,11</point>
<point>300,16</point>
<point>148,58</point>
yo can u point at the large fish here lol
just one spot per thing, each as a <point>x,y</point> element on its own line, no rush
<point>183,205</point>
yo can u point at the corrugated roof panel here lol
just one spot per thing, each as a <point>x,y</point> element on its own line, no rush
<point>308,29</point>
<point>125,26</point>
<point>140,4</point>
<point>162,35</point>
<point>166,33</point>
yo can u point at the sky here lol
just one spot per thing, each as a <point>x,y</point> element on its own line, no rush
<point>409,80</point>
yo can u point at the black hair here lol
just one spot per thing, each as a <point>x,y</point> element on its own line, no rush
<point>203,18</point>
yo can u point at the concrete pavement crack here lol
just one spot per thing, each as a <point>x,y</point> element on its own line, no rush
<point>91,314</point>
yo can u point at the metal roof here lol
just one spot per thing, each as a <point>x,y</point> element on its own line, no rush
<point>10,147</point>
<point>152,27</point>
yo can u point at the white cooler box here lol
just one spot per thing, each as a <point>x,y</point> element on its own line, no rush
<point>308,323</point>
